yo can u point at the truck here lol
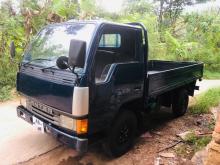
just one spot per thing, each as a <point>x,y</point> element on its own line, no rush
<point>87,80</point>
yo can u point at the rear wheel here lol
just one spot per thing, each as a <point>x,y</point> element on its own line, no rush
<point>180,102</point>
<point>121,136</point>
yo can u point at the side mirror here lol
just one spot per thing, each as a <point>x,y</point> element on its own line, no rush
<point>77,53</point>
<point>62,62</point>
<point>12,49</point>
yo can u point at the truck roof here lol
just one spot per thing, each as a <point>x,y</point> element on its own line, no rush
<point>98,23</point>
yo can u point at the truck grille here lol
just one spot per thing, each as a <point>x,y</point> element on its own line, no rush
<point>47,113</point>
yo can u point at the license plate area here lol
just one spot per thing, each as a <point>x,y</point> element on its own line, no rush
<point>38,124</point>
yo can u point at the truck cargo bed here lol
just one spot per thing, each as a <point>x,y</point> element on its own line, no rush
<point>164,76</point>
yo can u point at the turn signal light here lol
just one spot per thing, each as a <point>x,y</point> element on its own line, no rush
<point>81,126</point>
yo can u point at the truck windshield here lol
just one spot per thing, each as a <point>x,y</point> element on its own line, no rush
<point>53,42</point>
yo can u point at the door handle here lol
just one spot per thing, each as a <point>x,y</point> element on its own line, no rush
<point>137,88</point>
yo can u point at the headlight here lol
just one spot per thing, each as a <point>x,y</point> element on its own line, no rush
<point>80,126</point>
<point>67,122</point>
<point>23,102</point>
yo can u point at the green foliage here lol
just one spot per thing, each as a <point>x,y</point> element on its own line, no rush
<point>65,9</point>
<point>7,77</point>
<point>205,101</point>
<point>88,8</point>
<point>8,23</point>
<point>205,31</point>
<point>192,144</point>
<point>142,7</point>
<point>211,74</point>
<point>197,142</point>
<point>5,93</point>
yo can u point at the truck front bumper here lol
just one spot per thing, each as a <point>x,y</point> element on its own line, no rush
<point>79,144</point>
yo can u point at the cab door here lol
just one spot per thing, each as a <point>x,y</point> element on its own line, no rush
<point>118,71</point>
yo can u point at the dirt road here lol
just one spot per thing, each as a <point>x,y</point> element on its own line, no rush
<point>207,84</point>
<point>20,143</point>
<point>18,140</point>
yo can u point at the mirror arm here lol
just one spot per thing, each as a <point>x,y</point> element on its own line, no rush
<point>77,76</point>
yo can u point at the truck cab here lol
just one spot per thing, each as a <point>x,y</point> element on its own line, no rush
<point>82,78</point>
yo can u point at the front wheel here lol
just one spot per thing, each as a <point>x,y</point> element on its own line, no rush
<point>180,102</point>
<point>121,136</point>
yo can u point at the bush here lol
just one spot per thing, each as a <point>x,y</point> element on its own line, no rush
<point>205,101</point>
<point>5,93</point>
<point>8,71</point>
<point>211,74</point>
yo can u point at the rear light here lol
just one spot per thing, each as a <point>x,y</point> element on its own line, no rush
<point>82,126</point>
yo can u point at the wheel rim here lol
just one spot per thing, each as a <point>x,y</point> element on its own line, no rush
<point>124,134</point>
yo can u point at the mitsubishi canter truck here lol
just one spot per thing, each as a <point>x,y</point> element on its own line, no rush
<point>85,79</point>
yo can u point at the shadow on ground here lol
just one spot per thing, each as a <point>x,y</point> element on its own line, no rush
<point>95,155</point>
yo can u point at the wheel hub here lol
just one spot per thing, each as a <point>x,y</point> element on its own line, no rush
<point>124,134</point>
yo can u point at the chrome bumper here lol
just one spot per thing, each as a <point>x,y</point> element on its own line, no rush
<point>79,144</point>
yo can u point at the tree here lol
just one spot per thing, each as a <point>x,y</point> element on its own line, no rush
<point>87,9</point>
<point>137,6</point>
<point>169,10</point>
<point>66,9</point>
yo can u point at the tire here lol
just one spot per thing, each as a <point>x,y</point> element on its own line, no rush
<point>121,135</point>
<point>180,103</point>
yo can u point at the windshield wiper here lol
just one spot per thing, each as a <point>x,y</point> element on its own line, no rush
<point>37,59</point>
<point>43,69</point>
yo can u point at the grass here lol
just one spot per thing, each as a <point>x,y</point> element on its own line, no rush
<point>184,150</point>
<point>197,142</point>
<point>211,75</point>
<point>192,144</point>
<point>205,101</point>
<point>5,93</point>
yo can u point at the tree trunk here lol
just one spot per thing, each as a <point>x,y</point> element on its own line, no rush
<point>161,14</point>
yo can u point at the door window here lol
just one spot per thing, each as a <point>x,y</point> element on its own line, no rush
<point>116,45</point>
<point>110,41</point>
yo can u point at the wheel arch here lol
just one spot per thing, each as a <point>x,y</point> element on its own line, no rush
<point>133,106</point>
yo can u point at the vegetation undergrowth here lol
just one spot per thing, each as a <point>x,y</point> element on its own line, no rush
<point>5,93</point>
<point>211,74</point>
<point>205,101</point>
<point>197,142</point>
<point>192,144</point>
